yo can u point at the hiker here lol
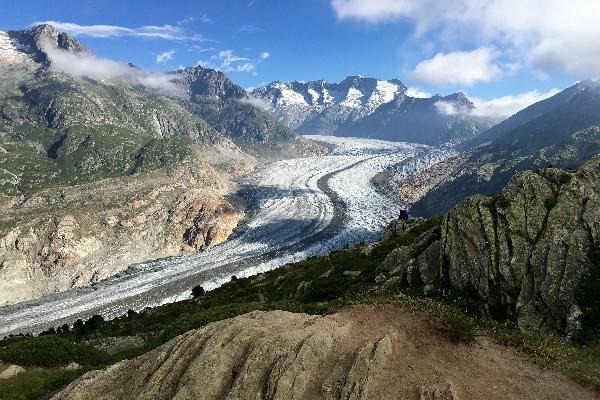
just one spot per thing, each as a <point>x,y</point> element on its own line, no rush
<point>404,214</point>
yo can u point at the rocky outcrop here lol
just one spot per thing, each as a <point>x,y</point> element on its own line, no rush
<point>74,236</point>
<point>365,352</point>
<point>200,82</point>
<point>10,371</point>
<point>525,255</point>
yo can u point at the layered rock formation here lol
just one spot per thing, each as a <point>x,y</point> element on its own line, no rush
<point>365,352</point>
<point>74,236</point>
<point>527,255</point>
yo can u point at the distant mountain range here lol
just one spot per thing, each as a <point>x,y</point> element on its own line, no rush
<point>374,108</point>
<point>561,131</point>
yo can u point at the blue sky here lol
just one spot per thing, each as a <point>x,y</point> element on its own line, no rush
<point>486,49</point>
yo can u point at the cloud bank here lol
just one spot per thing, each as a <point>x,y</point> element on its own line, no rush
<point>540,34</point>
<point>105,70</point>
<point>499,108</point>
<point>459,67</point>
<point>165,32</point>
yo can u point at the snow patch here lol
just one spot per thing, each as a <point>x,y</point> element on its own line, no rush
<point>314,95</point>
<point>352,99</point>
<point>288,96</point>
<point>11,51</point>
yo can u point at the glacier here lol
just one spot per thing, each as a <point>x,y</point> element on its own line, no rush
<point>298,208</point>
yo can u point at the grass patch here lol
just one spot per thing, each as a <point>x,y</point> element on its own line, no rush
<point>51,351</point>
<point>37,383</point>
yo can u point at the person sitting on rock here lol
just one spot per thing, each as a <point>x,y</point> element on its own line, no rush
<point>404,214</point>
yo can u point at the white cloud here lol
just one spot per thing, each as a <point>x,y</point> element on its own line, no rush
<point>206,19</point>
<point>166,32</point>
<point>264,55</point>
<point>451,108</point>
<point>459,67</point>
<point>254,101</point>
<point>247,28</point>
<point>417,93</point>
<point>498,108</point>
<point>106,70</point>
<point>228,61</point>
<point>542,34</point>
<point>165,56</point>
<point>508,105</point>
<point>199,49</point>
<point>228,58</point>
<point>373,10</point>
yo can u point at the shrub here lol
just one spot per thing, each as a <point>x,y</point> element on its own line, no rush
<point>197,291</point>
<point>501,201</point>
<point>550,202</point>
<point>51,351</point>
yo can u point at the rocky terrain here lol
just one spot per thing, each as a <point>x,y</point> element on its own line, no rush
<point>529,255</point>
<point>372,108</point>
<point>232,111</point>
<point>364,352</point>
<point>561,131</point>
<point>407,188</point>
<point>76,235</point>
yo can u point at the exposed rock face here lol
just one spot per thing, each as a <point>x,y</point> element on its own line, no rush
<point>365,352</point>
<point>525,252</point>
<point>9,371</point>
<point>204,82</point>
<point>522,254</point>
<point>74,236</point>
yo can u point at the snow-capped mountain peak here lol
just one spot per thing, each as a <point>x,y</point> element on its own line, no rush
<point>369,107</point>
<point>11,50</point>
<point>353,98</point>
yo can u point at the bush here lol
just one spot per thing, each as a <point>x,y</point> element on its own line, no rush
<point>550,202</point>
<point>197,291</point>
<point>51,351</point>
<point>36,383</point>
<point>501,201</point>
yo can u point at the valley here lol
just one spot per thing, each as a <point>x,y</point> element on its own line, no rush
<point>297,208</point>
<point>174,226</point>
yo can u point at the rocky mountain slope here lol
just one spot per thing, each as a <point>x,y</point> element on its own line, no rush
<point>367,107</point>
<point>562,131</point>
<point>89,149</point>
<point>435,120</point>
<point>563,102</point>
<point>230,110</point>
<point>72,236</point>
<point>364,352</point>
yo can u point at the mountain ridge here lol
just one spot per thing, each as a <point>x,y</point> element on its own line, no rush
<point>373,108</point>
<point>562,131</point>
